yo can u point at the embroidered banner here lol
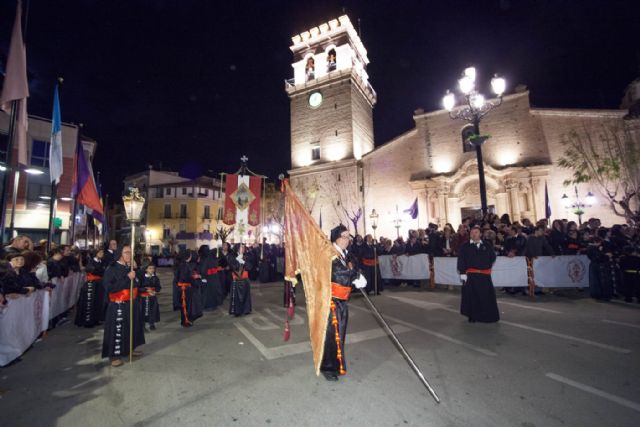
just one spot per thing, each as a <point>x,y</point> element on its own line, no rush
<point>404,267</point>
<point>566,271</point>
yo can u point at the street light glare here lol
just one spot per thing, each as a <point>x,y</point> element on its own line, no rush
<point>471,73</point>
<point>478,101</point>
<point>449,101</point>
<point>33,171</point>
<point>498,84</point>
<point>565,201</point>
<point>590,199</point>
<point>466,85</point>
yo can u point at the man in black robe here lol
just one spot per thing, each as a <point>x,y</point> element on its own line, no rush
<point>475,259</point>
<point>343,275</point>
<point>240,293</point>
<point>117,280</point>
<point>210,280</point>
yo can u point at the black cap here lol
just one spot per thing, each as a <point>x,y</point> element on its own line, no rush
<point>336,232</point>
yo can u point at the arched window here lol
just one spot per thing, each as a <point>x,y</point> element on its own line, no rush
<point>310,68</point>
<point>331,60</point>
<point>466,133</point>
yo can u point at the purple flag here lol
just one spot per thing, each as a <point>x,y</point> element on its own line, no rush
<point>413,210</point>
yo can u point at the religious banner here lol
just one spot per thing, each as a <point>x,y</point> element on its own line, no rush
<point>566,271</point>
<point>404,267</point>
<point>506,272</point>
<point>242,201</point>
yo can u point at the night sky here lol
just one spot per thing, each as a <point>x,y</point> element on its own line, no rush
<point>194,84</point>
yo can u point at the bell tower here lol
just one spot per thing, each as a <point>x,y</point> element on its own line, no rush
<point>331,116</point>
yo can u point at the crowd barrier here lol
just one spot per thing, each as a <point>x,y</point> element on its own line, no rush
<point>546,272</point>
<point>23,319</point>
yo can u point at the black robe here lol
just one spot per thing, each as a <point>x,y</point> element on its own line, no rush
<point>189,294</point>
<point>116,325</point>
<point>224,261</point>
<point>369,268</point>
<point>342,273</point>
<point>478,294</point>
<point>91,303</point>
<point>240,293</point>
<point>210,290</point>
<point>149,303</point>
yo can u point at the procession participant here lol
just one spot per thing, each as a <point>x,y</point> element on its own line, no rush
<point>475,259</point>
<point>240,294</point>
<point>149,287</point>
<point>90,306</point>
<point>369,264</point>
<point>117,280</point>
<point>190,309</point>
<point>226,255</point>
<point>210,286</point>
<point>343,275</point>
<point>109,254</point>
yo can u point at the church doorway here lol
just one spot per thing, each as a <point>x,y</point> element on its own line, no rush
<point>475,212</point>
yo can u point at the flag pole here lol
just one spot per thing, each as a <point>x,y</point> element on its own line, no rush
<point>14,199</point>
<point>7,172</point>
<point>400,347</point>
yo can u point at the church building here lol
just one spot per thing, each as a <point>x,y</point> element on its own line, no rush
<point>339,174</point>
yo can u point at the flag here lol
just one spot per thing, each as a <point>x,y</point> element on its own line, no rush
<point>242,199</point>
<point>98,216</point>
<point>309,253</point>
<point>55,149</point>
<point>84,188</point>
<point>16,86</point>
<point>547,204</point>
<point>413,210</point>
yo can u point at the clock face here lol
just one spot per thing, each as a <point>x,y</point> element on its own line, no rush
<point>315,99</point>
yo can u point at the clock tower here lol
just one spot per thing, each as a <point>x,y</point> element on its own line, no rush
<point>331,119</point>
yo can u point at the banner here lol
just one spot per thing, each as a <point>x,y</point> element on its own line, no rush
<point>404,267</point>
<point>242,200</point>
<point>566,271</point>
<point>506,272</point>
<point>21,322</point>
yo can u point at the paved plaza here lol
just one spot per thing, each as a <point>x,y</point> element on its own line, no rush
<point>553,360</point>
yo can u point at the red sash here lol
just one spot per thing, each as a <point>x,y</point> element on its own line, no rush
<point>123,295</point>
<point>214,270</point>
<point>245,275</point>
<point>340,291</point>
<point>369,262</point>
<point>184,285</point>
<point>93,277</point>
<point>478,271</point>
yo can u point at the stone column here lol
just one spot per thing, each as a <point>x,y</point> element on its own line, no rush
<point>512,189</point>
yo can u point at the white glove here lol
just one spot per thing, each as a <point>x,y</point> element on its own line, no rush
<point>463,277</point>
<point>203,280</point>
<point>360,282</point>
<point>240,260</point>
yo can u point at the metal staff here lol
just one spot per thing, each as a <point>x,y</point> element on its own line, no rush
<point>398,344</point>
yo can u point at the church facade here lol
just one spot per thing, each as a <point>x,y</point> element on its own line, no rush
<point>341,176</point>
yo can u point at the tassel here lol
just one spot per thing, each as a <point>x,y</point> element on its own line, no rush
<point>291,310</point>
<point>287,331</point>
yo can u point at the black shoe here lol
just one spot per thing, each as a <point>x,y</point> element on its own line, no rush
<point>330,376</point>
<point>152,327</point>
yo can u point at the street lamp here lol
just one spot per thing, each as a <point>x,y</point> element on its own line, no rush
<point>472,109</point>
<point>578,205</point>
<point>133,204</point>
<point>397,222</point>
<point>374,224</point>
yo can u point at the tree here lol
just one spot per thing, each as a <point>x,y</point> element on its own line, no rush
<point>223,232</point>
<point>608,157</point>
<point>354,218</point>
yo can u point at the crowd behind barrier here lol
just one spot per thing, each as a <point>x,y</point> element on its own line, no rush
<point>24,318</point>
<point>547,272</point>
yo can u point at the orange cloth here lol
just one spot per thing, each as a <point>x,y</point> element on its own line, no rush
<point>214,270</point>
<point>309,253</point>
<point>245,275</point>
<point>340,291</point>
<point>123,295</point>
<point>93,277</point>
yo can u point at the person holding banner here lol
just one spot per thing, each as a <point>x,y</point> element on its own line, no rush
<point>475,259</point>
<point>343,275</point>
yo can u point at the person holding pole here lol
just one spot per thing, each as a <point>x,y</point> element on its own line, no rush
<point>343,275</point>
<point>117,280</point>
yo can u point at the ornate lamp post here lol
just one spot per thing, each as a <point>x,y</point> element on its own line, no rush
<point>133,204</point>
<point>578,205</point>
<point>473,108</point>
<point>374,224</point>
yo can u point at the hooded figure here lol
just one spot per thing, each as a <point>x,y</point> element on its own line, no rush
<point>210,290</point>
<point>186,284</point>
<point>240,294</point>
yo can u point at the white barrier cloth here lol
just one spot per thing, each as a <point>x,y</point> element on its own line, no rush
<point>21,321</point>
<point>404,267</point>
<point>566,271</point>
<point>506,272</point>
<point>65,295</point>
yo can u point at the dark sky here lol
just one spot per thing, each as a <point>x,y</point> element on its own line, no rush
<point>195,84</point>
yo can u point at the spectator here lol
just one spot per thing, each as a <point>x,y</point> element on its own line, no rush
<point>537,244</point>
<point>557,237</point>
